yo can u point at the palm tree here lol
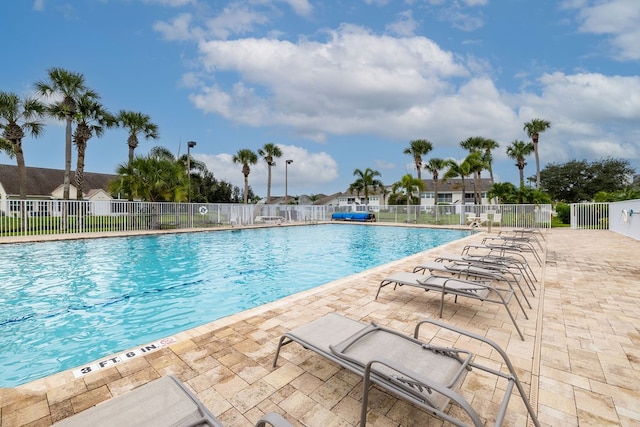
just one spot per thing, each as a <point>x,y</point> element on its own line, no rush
<point>477,165</point>
<point>435,165</point>
<point>408,184</point>
<point>152,178</point>
<point>417,149</point>
<point>366,180</point>
<point>477,146</point>
<point>245,157</point>
<point>487,157</point>
<point>200,167</point>
<point>137,123</point>
<point>92,119</point>
<point>17,117</point>
<point>269,152</point>
<point>356,187</point>
<point>455,169</point>
<point>70,86</point>
<point>534,128</point>
<point>503,192</point>
<point>518,150</point>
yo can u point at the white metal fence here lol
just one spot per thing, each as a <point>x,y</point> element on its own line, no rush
<point>34,217</point>
<point>593,216</point>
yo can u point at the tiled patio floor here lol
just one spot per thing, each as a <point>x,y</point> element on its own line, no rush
<point>580,360</point>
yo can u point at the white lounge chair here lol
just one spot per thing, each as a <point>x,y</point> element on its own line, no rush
<point>410,368</point>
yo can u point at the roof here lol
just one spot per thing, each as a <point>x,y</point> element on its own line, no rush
<point>43,181</point>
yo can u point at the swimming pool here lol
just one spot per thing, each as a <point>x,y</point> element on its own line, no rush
<point>66,303</point>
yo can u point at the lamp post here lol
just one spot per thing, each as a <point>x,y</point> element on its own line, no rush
<point>286,181</point>
<point>190,145</point>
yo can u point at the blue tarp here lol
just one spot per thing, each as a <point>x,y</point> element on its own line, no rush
<point>353,216</point>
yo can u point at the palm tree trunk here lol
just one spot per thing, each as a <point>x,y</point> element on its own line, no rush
<point>269,185</point>
<point>82,147</point>
<point>22,170</point>
<point>246,189</point>
<point>535,150</point>
<point>67,161</point>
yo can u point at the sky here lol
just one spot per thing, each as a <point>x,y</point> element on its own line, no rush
<point>338,85</point>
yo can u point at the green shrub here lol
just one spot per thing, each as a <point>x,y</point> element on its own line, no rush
<point>564,213</point>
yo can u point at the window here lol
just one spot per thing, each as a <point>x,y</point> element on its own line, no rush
<point>445,197</point>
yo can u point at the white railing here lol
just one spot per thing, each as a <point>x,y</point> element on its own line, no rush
<point>594,216</point>
<point>528,216</point>
<point>36,217</point>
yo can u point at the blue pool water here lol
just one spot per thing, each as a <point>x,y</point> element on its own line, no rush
<point>64,304</point>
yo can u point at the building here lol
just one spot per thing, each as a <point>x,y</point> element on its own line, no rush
<point>449,193</point>
<point>45,186</point>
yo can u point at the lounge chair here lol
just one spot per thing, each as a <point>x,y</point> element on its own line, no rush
<point>524,244</point>
<point>472,271</point>
<point>494,262</point>
<point>454,286</point>
<point>413,370</point>
<point>163,402</point>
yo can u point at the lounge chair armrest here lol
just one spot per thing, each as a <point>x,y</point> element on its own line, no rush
<point>413,384</point>
<point>273,419</point>
<point>469,334</point>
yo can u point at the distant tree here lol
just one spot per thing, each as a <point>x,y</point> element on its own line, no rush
<point>579,181</point>
<point>417,149</point>
<point>152,179</point>
<point>137,123</point>
<point>246,157</point>
<point>19,116</point>
<point>487,146</point>
<point>367,180</point>
<point>92,119</point>
<point>434,166</point>
<point>503,192</point>
<point>70,87</point>
<point>628,193</point>
<point>356,187</point>
<point>534,128</point>
<point>408,184</point>
<point>313,198</point>
<point>458,169</point>
<point>519,150</point>
<point>269,153</point>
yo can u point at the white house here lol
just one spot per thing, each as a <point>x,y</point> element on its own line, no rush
<point>45,187</point>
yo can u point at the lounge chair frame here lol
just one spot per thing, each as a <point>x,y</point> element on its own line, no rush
<point>163,402</point>
<point>473,271</point>
<point>411,369</point>
<point>473,289</point>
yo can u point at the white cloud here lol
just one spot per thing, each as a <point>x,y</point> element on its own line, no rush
<point>617,18</point>
<point>318,168</point>
<point>593,115</point>
<point>404,25</point>
<point>38,5</point>
<point>301,7</point>
<point>235,19</point>
<point>178,29</point>
<point>353,82</point>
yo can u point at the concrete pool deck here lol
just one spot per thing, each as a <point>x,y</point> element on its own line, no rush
<point>580,360</point>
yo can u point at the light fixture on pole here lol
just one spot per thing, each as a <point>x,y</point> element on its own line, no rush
<point>286,181</point>
<point>190,145</point>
